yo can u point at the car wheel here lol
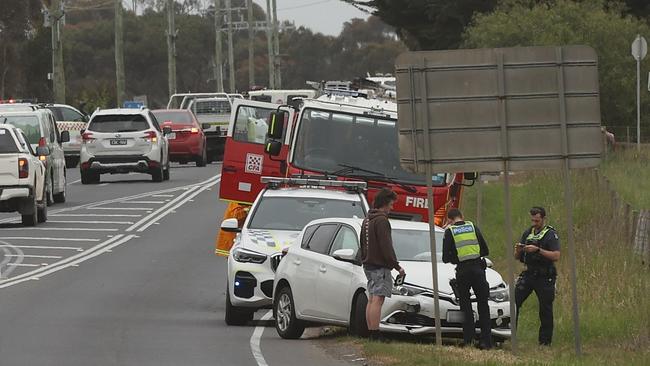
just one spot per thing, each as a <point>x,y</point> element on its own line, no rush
<point>32,218</point>
<point>358,325</point>
<point>235,315</point>
<point>166,173</point>
<point>286,323</point>
<point>89,177</point>
<point>157,174</point>
<point>42,212</point>
<point>202,160</point>
<point>60,197</point>
<point>71,162</point>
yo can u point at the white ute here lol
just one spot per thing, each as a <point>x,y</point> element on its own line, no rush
<point>22,176</point>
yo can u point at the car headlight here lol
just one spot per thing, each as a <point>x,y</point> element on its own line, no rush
<point>248,256</point>
<point>500,294</point>
<point>406,290</point>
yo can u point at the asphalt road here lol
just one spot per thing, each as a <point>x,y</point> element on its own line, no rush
<point>124,273</point>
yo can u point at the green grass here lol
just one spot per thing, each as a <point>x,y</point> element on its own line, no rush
<point>629,172</point>
<point>613,286</point>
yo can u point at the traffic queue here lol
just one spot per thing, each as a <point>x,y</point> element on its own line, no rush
<point>305,182</point>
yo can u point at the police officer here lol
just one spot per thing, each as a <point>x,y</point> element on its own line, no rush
<point>464,246</point>
<point>539,249</point>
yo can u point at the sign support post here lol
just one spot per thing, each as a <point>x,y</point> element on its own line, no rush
<point>639,52</point>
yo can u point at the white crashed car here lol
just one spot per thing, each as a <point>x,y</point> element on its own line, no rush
<point>320,281</point>
<point>274,222</point>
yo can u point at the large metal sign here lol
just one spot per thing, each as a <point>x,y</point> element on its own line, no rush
<point>532,106</point>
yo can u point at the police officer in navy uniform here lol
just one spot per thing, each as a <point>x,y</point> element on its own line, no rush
<point>464,246</point>
<point>538,249</point>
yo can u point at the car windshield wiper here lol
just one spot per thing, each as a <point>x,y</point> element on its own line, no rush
<point>348,170</point>
<point>127,130</point>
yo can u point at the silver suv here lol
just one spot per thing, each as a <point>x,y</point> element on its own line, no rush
<point>120,141</point>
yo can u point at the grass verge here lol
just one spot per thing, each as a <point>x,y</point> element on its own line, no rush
<point>613,286</point>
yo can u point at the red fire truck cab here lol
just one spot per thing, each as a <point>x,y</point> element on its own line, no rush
<point>339,137</point>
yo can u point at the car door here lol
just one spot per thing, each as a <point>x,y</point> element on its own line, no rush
<point>244,161</point>
<point>313,252</point>
<point>335,277</point>
<point>56,158</point>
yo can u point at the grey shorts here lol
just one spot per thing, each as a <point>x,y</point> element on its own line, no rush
<point>380,282</point>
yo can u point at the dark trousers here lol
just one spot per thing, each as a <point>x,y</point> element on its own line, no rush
<point>544,287</point>
<point>472,275</point>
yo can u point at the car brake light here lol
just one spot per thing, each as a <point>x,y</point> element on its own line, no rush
<point>87,137</point>
<point>194,130</point>
<point>42,142</point>
<point>151,136</point>
<point>23,168</point>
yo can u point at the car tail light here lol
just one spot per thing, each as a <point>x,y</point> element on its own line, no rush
<point>194,130</point>
<point>154,164</point>
<point>150,136</point>
<point>85,165</point>
<point>87,137</point>
<point>23,168</point>
<point>42,142</point>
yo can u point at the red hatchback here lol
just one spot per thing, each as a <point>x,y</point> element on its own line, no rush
<point>187,140</point>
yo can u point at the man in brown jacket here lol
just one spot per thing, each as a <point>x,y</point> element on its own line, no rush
<point>378,258</point>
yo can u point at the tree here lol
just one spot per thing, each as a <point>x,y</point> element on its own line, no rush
<point>565,22</point>
<point>426,24</point>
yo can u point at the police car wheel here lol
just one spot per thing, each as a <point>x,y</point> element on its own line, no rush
<point>234,315</point>
<point>286,323</point>
<point>358,325</point>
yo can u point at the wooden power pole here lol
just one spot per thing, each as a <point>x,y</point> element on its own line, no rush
<point>56,14</point>
<point>171,47</point>
<point>269,39</point>
<point>276,47</point>
<point>218,54</point>
<point>231,52</point>
<point>251,44</point>
<point>119,53</point>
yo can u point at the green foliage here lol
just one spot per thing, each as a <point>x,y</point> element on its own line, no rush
<point>628,172</point>
<point>564,22</point>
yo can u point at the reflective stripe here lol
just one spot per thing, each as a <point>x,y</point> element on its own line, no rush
<point>466,241</point>
<point>537,237</point>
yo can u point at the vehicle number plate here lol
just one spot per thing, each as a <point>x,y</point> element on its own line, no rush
<point>171,136</point>
<point>120,142</point>
<point>455,316</point>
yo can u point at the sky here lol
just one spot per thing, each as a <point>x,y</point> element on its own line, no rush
<point>325,16</point>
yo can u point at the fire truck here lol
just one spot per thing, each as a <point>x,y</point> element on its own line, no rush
<point>334,136</point>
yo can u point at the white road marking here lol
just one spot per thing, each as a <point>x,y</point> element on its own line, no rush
<point>163,196</point>
<point>22,265</point>
<point>257,337</point>
<point>103,185</point>
<point>62,229</point>
<point>74,182</point>
<point>42,247</point>
<point>92,222</point>
<point>47,239</point>
<point>145,202</point>
<point>66,262</point>
<point>121,208</point>
<point>34,256</point>
<point>93,215</point>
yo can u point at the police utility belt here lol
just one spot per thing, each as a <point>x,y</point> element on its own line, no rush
<point>541,271</point>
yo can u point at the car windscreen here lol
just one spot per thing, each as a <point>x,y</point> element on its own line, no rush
<point>180,117</point>
<point>29,125</point>
<point>414,245</point>
<point>293,213</point>
<point>212,107</point>
<point>118,123</point>
<point>7,143</point>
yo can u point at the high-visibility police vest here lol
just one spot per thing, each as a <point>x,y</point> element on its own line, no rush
<point>534,238</point>
<point>536,259</point>
<point>466,241</point>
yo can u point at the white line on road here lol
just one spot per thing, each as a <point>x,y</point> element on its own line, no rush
<point>34,256</point>
<point>121,208</point>
<point>44,247</point>
<point>257,337</point>
<point>22,265</point>
<point>46,239</point>
<point>74,182</point>
<point>163,196</point>
<point>66,262</point>
<point>103,185</point>
<point>92,215</point>
<point>144,202</point>
<point>61,229</point>
<point>92,222</point>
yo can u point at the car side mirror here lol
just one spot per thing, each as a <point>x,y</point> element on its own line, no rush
<point>167,130</point>
<point>230,226</point>
<point>206,126</point>
<point>65,136</point>
<point>276,124</point>
<point>273,147</point>
<point>470,176</point>
<point>488,263</point>
<point>346,255</point>
<point>43,151</point>
<point>85,118</point>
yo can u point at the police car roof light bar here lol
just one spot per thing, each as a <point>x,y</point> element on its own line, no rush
<point>275,182</point>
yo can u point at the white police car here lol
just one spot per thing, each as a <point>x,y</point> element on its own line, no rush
<point>275,220</point>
